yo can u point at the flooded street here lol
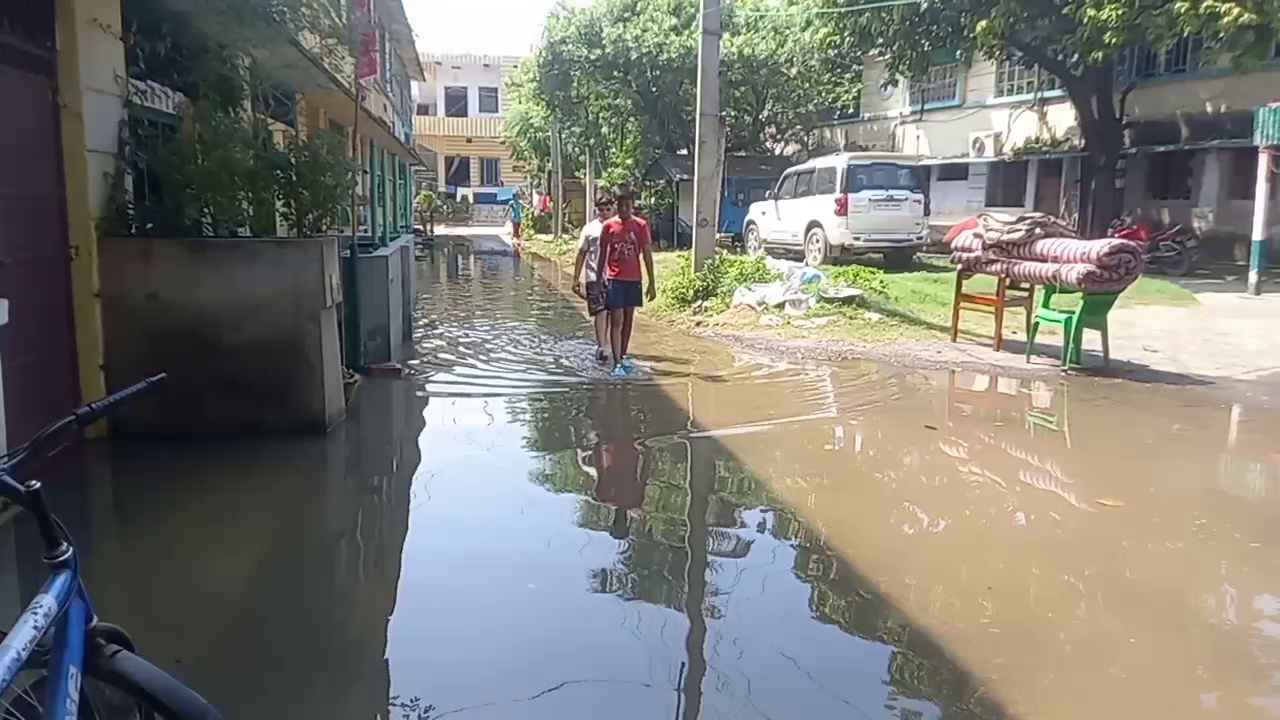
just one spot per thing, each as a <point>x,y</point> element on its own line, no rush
<point>508,535</point>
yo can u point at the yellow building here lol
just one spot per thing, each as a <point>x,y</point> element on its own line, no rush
<point>459,120</point>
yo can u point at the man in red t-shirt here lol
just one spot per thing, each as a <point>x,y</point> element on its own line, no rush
<point>624,238</point>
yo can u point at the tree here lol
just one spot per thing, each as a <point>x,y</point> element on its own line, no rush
<point>1076,41</point>
<point>619,78</point>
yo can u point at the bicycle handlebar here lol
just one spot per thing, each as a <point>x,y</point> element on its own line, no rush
<point>81,417</point>
<point>91,413</point>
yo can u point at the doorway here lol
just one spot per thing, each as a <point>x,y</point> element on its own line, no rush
<point>1049,186</point>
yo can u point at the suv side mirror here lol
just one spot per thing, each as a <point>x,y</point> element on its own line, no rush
<point>771,195</point>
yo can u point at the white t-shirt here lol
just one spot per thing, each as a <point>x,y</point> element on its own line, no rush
<point>590,242</point>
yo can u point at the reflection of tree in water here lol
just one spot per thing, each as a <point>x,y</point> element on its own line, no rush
<point>411,709</point>
<point>652,564</point>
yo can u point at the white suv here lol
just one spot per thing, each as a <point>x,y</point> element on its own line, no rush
<point>844,205</point>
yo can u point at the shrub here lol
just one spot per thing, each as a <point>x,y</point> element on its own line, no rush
<point>869,279</point>
<point>712,289</point>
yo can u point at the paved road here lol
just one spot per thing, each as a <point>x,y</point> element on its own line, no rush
<point>485,239</point>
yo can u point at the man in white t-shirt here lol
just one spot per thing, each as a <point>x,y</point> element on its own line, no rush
<point>588,260</point>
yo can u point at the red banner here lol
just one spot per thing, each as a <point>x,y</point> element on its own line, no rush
<point>366,40</point>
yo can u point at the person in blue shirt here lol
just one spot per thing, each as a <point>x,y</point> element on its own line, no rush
<point>515,210</point>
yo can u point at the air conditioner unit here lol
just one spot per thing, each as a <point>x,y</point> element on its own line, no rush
<point>985,144</point>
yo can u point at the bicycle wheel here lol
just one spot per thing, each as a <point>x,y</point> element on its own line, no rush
<point>24,700</point>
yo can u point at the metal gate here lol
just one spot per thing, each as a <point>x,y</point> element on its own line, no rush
<point>37,347</point>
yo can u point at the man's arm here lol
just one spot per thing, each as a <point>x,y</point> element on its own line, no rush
<point>606,242</point>
<point>580,261</point>
<point>651,292</point>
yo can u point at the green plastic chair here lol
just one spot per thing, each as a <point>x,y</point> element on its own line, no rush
<point>1091,312</point>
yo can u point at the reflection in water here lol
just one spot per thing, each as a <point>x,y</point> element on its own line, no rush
<point>262,572</point>
<point>510,535</point>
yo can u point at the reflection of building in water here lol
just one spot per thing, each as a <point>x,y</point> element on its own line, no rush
<point>283,555</point>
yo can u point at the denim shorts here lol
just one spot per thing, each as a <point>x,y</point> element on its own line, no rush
<point>624,294</point>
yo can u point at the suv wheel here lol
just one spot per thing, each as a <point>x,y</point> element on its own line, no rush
<point>752,241</point>
<point>816,249</point>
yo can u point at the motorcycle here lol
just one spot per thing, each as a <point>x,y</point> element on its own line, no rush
<point>1175,250</point>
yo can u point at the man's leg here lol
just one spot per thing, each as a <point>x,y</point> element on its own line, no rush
<point>601,321</point>
<point>615,335</point>
<point>628,317</point>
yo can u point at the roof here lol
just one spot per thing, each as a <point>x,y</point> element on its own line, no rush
<point>680,167</point>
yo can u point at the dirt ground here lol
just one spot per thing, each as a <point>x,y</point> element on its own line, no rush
<point>1228,336</point>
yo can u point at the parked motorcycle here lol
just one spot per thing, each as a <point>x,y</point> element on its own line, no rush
<point>1175,251</point>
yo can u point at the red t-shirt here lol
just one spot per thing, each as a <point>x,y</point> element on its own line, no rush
<point>622,242</point>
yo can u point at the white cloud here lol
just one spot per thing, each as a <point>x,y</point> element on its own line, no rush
<point>494,27</point>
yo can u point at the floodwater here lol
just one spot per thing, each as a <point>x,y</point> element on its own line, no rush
<point>508,535</point>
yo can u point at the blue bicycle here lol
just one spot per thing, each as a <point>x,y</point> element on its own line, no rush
<point>58,660</point>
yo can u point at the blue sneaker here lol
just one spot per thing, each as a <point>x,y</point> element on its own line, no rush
<point>619,371</point>
<point>628,363</point>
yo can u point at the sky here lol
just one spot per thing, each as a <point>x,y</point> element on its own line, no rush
<point>494,27</point>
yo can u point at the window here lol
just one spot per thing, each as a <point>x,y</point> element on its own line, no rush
<point>952,171</point>
<point>1184,55</point>
<point>755,194</point>
<point>457,171</point>
<point>883,176</point>
<point>804,184</point>
<point>787,187</point>
<point>941,85</point>
<point>1169,175</point>
<point>1007,184</point>
<point>1014,78</point>
<point>824,181</point>
<point>488,100</point>
<point>455,102</point>
<point>490,172</point>
<point>427,109</point>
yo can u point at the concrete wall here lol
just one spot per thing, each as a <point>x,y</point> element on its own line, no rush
<point>246,328</point>
<point>387,299</point>
<point>889,124</point>
<point>1224,221</point>
<point>92,88</point>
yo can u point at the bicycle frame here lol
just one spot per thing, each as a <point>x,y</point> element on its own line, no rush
<point>63,605</point>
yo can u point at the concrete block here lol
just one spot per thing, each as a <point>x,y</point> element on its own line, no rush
<point>246,328</point>
<point>386,301</point>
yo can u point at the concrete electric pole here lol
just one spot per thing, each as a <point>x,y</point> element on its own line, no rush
<point>557,184</point>
<point>707,153</point>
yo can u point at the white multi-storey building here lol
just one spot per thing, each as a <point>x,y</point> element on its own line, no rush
<point>459,119</point>
<point>997,135</point>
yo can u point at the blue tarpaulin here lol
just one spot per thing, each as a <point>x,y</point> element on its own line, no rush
<point>506,194</point>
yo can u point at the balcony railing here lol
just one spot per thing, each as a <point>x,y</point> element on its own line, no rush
<point>483,126</point>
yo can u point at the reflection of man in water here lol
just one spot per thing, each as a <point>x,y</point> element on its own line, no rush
<point>615,456</point>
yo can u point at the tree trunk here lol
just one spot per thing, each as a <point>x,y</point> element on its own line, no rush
<point>1105,202</point>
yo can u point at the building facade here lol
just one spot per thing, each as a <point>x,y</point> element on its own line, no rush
<point>459,119</point>
<point>78,99</point>
<point>997,135</point>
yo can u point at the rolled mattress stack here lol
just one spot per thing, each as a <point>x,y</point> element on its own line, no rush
<point>1040,249</point>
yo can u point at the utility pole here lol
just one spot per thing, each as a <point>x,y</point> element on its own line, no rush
<point>1266,135</point>
<point>1258,244</point>
<point>591,189</point>
<point>557,183</point>
<point>707,153</point>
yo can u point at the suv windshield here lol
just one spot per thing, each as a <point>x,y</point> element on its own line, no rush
<point>883,176</point>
